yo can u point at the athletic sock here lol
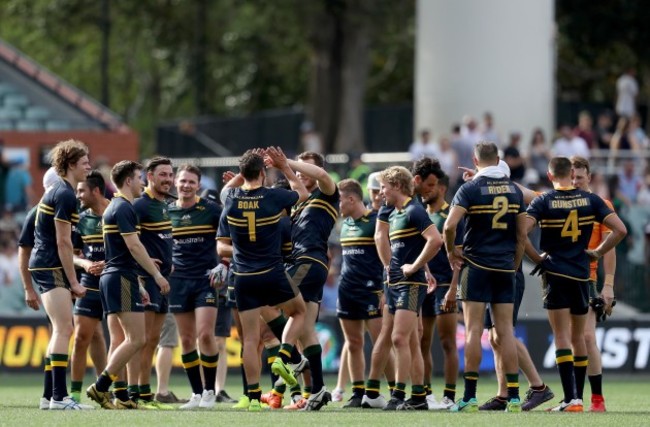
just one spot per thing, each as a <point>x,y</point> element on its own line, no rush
<point>358,389</point>
<point>391,387</point>
<point>285,352</point>
<point>596,383</point>
<point>417,393</point>
<point>450,391</point>
<point>192,366</point>
<point>564,361</point>
<point>59,381</point>
<point>254,391</point>
<point>209,364</point>
<point>271,354</point>
<point>400,391</point>
<point>47,379</point>
<point>277,326</point>
<point>145,392</point>
<point>306,392</point>
<point>512,381</point>
<point>471,378</point>
<point>133,391</point>
<point>120,391</point>
<point>75,390</point>
<point>580,364</point>
<point>372,388</point>
<point>538,387</point>
<point>244,383</point>
<point>295,390</point>
<point>427,389</point>
<point>314,353</point>
<point>104,381</point>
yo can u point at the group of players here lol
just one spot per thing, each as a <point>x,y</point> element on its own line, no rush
<point>142,257</point>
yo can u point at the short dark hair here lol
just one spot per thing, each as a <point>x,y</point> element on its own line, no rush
<point>486,151</point>
<point>444,180</point>
<point>282,183</point>
<point>124,170</point>
<point>95,180</point>
<point>351,186</point>
<point>427,166</point>
<point>317,158</point>
<point>157,161</point>
<point>560,167</point>
<point>580,163</point>
<point>251,165</point>
<point>190,168</point>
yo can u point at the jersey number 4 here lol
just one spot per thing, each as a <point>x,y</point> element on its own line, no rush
<point>570,228</point>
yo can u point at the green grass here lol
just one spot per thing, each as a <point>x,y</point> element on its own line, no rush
<point>626,403</point>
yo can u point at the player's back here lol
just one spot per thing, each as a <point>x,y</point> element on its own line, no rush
<point>313,221</point>
<point>492,206</point>
<point>253,219</point>
<point>119,219</point>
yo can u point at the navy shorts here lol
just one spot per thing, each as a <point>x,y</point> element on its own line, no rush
<point>120,293</point>
<point>90,305</point>
<point>481,285</point>
<point>562,292</point>
<point>310,278</point>
<point>271,287</point>
<point>158,303</point>
<point>432,305</point>
<point>187,294</point>
<point>224,319</point>
<point>358,304</point>
<point>520,285</point>
<point>405,297</point>
<point>50,279</point>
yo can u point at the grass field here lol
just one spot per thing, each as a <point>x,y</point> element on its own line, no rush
<point>626,403</point>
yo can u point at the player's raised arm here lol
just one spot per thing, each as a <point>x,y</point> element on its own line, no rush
<point>279,160</point>
<point>323,179</point>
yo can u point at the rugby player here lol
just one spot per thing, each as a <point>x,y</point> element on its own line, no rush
<point>492,251</point>
<point>51,264</point>
<point>156,236</point>
<point>566,216</point>
<point>89,256</point>
<point>192,298</point>
<point>581,180</point>
<point>252,215</point>
<point>122,297</point>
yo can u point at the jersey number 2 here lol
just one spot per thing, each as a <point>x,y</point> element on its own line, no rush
<point>501,204</point>
<point>570,228</point>
<point>250,216</point>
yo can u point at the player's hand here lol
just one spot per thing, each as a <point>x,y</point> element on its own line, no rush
<point>218,275</point>
<point>157,263</point>
<point>31,299</point>
<point>77,290</point>
<point>144,295</point>
<point>227,176</point>
<point>163,284</point>
<point>408,270</point>
<point>276,157</point>
<point>449,303</point>
<point>431,282</point>
<point>607,294</point>
<point>593,254</point>
<point>540,267</point>
<point>96,268</point>
<point>468,174</point>
<point>455,257</point>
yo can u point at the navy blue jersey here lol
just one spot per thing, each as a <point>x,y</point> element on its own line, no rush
<point>26,238</point>
<point>155,230</point>
<point>119,219</point>
<point>439,264</point>
<point>566,218</point>
<point>285,230</point>
<point>88,237</point>
<point>361,267</point>
<point>492,206</point>
<point>194,230</point>
<point>313,221</point>
<point>251,220</point>
<point>406,241</point>
<point>384,213</point>
<point>59,203</point>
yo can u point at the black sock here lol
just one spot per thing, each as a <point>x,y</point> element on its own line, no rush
<point>314,354</point>
<point>580,364</point>
<point>450,391</point>
<point>512,381</point>
<point>209,365</point>
<point>471,378</point>
<point>372,388</point>
<point>358,389</point>
<point>47,379</point>
<point>104,381</point>
<point>285,352</point>
<point>119,390</point>
<point>564,361</point>
<point>277,326</point>
<point>254,392</point>
<point>133,391</point>
<point>145,392</point>
<point>400,391</point>
<point>59,376</point>
<point>596,382</point>
<point>418,394</point>
<point>192,366</point>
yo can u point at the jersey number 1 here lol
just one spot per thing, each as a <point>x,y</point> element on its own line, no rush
<point>250,216</point>
<point>570,228</point>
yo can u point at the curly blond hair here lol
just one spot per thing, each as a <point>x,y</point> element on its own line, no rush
<point>67,153</point>
<point>399,177</point>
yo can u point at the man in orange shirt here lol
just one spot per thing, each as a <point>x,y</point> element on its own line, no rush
<point>600,231</point>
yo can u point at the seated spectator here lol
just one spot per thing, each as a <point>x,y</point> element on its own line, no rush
<point>423,146</point>
<point>512,157</point>
<point>585,129</point>
<point>568,144</point>
<point>604,130</point>
<point>18,187</point>
<point>539,157</point>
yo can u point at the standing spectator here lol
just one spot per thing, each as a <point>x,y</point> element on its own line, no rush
<point>512,157</point>
<point>18,187</point>
<point>447,158</point>
<point>568,144</point>
<point>627,90</point>
<point>463,147</point>
<point>539,157</point>
<point>629,183</point>
<point>489,133</point>
<point>422,147</point>
<point>470,130</point>
<point>585,129</point>
<point>604,130</point>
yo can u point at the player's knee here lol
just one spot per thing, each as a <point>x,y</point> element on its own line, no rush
<point>82,338</point>
<point>188,342</point>
<point>206,339</point>
<point>355,343</point>
<point>590,337</point>
<point>448,345</point>
<point>399,340</point>
<point>65,331</point>
<point>137,341</point>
